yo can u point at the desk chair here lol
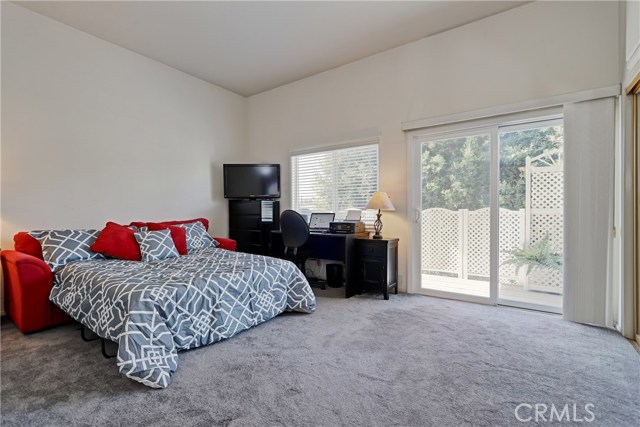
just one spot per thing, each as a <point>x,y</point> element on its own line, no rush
<point>295,233</point>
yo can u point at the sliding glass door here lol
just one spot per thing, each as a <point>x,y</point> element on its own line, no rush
<point>455,193</point>
<point>531,220</point>
<point>489,214</point>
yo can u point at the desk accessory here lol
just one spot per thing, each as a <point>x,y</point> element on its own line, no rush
<point>381,201</point>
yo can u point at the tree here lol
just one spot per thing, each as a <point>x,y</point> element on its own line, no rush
<point>515,146</point>
<point>456,172</point>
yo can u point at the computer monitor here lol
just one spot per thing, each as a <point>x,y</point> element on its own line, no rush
<point>321,221</point>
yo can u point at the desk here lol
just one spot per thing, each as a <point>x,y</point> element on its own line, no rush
<point>334,247</point>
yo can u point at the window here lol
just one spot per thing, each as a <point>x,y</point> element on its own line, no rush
<point>334,180</point>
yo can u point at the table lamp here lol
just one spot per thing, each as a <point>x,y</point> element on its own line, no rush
<point>381,201</point>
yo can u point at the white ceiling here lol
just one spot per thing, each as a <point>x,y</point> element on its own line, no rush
<point>250,47</point>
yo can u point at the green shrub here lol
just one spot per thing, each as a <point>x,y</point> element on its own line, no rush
<point>538,255</point>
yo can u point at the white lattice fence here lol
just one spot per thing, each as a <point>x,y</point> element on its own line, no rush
<point>457,243</point>
<point>478,244</point>
<point>512,236</point>
<point>441,242</point>
<point>547,190</point>
<point>544,203</point>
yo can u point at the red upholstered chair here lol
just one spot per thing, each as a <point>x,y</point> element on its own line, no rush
<point>27,282</point>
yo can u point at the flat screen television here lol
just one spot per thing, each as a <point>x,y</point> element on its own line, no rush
<point>258,181</point>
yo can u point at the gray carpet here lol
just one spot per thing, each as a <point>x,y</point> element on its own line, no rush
<point>410,361</point>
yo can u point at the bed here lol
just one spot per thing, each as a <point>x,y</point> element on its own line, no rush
<point>155,309</point>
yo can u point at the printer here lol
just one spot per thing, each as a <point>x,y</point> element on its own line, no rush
<point>350,225</point>
<point>346,227</point>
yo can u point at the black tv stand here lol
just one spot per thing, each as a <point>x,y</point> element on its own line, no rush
<point>251,222</point>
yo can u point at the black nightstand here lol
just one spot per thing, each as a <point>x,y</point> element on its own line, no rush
<point>377,265</point>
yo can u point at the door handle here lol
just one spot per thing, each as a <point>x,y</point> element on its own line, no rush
<point>417,215</point>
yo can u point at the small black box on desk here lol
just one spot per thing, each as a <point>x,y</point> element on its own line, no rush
<point>346,227</point>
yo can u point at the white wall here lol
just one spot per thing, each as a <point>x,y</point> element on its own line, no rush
<point>93,132</point>
<point>535,51</point>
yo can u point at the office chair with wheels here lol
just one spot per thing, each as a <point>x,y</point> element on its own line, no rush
<point>295,233</point>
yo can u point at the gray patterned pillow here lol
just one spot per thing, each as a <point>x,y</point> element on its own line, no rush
<point>197,236</point>
<point>60,247</point>
<point>156,245</point>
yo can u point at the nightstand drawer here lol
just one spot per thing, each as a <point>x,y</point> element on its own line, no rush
<point>373,250</point>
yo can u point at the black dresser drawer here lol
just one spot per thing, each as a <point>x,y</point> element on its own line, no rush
<point>251,222</point>
<point>251,237</point>
<point>245,207</point>
<point>245,222</point>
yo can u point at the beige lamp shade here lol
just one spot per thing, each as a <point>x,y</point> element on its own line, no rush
<point>380,200</point>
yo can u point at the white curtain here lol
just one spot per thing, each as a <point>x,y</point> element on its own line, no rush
<point>588,213</point>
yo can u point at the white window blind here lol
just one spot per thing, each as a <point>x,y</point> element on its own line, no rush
<point>588,187</point>
<point>334,180</point>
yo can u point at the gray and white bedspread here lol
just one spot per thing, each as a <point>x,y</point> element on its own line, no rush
<point>155,309</point>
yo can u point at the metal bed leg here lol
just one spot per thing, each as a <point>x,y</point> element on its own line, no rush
<point>103,342</point>
<point>104,349</point>
<point>84,336</point>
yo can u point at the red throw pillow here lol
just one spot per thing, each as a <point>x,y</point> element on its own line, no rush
<point>117,241</point>
<point>178,234</point>
<point>204,221</point>
<point>25,243</point>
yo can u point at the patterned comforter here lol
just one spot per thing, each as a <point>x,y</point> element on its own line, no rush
<point>155,309</point>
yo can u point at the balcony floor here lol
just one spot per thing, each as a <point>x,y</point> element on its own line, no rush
<point>520,297</point>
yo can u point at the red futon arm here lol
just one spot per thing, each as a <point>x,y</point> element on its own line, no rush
<point>27,284</point>
<point>228,244</point>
